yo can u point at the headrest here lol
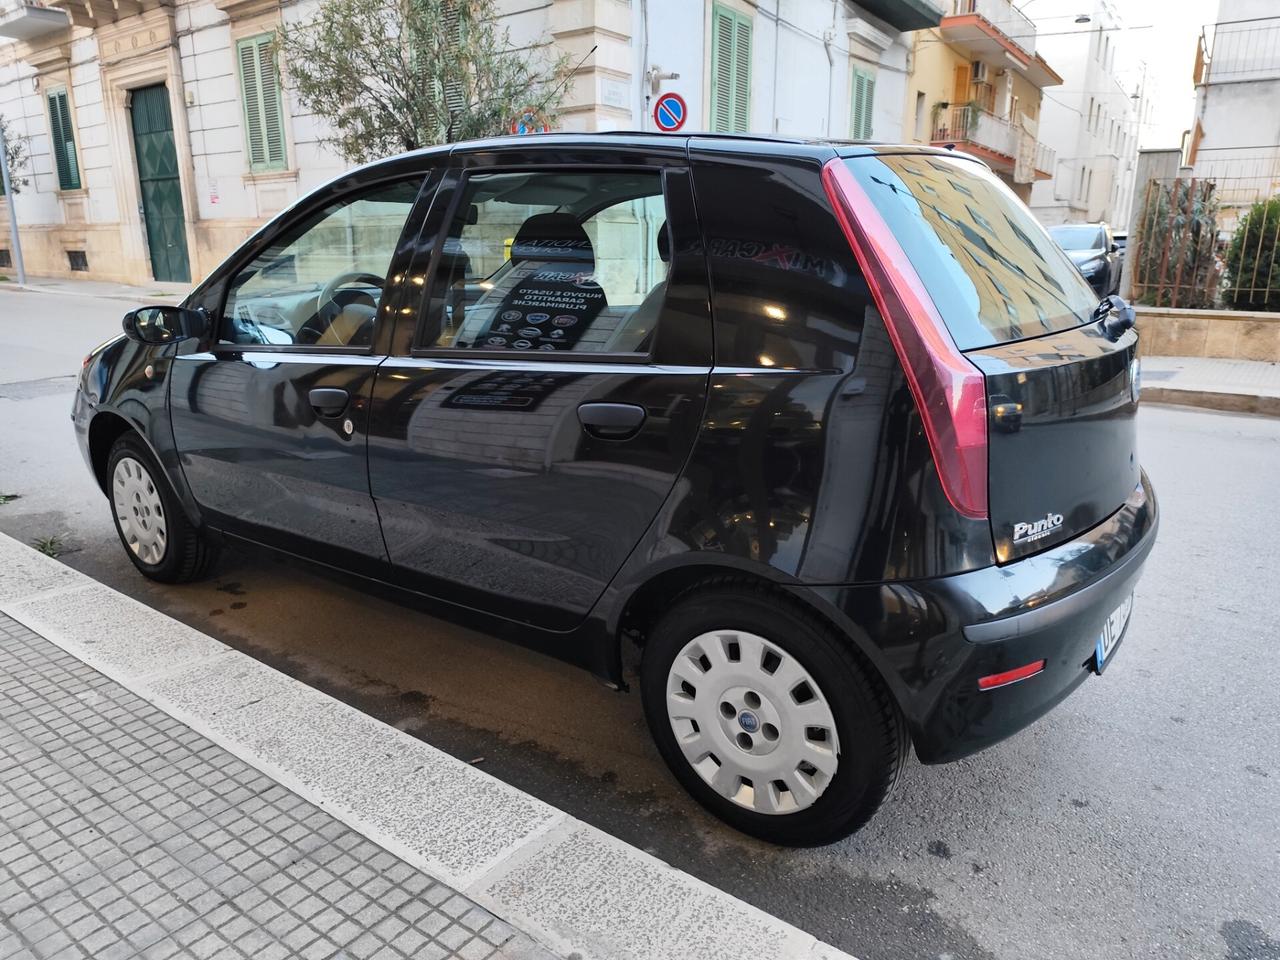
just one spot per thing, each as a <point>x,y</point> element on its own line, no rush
<point>553,236</point>
<point>664,243</point>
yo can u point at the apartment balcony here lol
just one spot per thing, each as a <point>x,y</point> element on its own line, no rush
<point>1006,147</point>
<point>30,20</point>
<point>98,13</point>
<point>998,34</point>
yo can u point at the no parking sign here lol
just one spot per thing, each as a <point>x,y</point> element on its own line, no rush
<point>669,112</point>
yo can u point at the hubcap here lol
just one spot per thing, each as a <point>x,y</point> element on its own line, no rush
<point>752,722</point>
<point>139,510</point>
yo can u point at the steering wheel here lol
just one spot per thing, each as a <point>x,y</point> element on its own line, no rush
<point>341,280</point>
<point>327,309</point>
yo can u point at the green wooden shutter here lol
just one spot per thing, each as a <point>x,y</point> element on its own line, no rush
<point>64,141</point>
<point>260,94</point>
<point>862,97</point>
<point>730,71</point>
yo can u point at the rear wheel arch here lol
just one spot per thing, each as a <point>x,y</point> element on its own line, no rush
<point>651,600</point>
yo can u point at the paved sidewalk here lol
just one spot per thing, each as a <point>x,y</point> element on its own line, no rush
<point>127,834</point>
<point>78,740</point>
<point>1237,386</point>
<point>100,289</point>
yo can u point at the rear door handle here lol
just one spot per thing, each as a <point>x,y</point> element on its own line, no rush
<point>329,401</point>
<point>611,421</point>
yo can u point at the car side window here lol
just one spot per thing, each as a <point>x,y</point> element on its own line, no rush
<point>552,261</point>
<point>321,282</point>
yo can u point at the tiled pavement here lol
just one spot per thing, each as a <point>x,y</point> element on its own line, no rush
<point>123,833</point>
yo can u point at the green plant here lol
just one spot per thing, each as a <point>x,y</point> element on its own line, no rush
<point>1173,245</point>
<point>15,148</point>
<point>1252,275</point>
<point>9,497</point>
<point>972,111</point>
<point>50,546</point>
<point>438,71</point>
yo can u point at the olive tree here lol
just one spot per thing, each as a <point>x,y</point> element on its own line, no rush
<point>395,75</point>
<point>15,155</point>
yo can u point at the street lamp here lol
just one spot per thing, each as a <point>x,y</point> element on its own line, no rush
<point>15,242</point>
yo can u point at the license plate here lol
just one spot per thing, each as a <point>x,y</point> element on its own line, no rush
<point>1111,633</point>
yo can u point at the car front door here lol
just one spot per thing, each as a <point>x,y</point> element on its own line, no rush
<point>531,430</point>
<point>271,422</point>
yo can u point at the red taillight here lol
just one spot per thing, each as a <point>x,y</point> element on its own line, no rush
<point>948,389</point>
<point>1010,676</point>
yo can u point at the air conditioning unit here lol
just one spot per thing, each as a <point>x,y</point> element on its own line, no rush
<point>978,71</point>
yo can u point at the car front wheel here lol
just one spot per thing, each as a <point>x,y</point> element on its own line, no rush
<point>768,718</point>
<point>162,543</point>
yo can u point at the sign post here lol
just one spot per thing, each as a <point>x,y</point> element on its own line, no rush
<point>15,244</point>
<point>670,112</point>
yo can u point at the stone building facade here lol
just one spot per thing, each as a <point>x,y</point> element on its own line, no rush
<point>161,133</point>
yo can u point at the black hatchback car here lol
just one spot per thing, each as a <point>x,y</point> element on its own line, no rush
<point>832,436</point>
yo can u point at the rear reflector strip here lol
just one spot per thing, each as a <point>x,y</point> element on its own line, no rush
<point>1010,676</point>
<point>949,391</point>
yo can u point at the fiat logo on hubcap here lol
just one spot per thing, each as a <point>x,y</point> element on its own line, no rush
<point>748,721</point>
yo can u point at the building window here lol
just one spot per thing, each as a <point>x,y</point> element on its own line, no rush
<point>730,71</point>
<point>77,260</point>
<point>64,140</point>
<point>5,259</point>
<point>260,95</point>
<point>862,96</point>
<point>919,114</point>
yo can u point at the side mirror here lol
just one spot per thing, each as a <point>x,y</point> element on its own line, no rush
<point>164,324</point>
<point>1115,247</point>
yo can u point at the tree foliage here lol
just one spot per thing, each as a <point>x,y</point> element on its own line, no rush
<point>15,149</point>
<point>1173,245</point>
<point>1253,259</point>
<point>395,75</point>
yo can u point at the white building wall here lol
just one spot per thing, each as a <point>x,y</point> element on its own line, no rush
<point>1090,121</point>
<point>801,64</point>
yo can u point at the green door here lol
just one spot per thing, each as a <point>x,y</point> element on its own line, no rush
<point>158,178</point>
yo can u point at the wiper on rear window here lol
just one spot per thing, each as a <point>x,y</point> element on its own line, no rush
<point>1115,315</point>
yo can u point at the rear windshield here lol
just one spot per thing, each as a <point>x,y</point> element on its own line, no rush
<point>1075,237</point>
<point>992,271</point>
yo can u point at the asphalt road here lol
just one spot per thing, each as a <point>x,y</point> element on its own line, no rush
<point>1140,819</point>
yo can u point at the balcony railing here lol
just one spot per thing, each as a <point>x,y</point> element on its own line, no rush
<point>1026,155</point>
<point>1006,18</point>
<point>976,126</point>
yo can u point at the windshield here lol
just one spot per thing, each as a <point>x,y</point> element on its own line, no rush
<point>993,273</point>
<point>1077,237</point>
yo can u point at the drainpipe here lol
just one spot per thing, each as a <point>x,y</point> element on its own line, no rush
<point>827,41</point>
<point>15,243</point>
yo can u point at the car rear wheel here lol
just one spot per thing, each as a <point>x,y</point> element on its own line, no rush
<point>768,718</point>
<point>155,532</point>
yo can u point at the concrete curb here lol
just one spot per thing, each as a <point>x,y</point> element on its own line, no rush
<point>1266,406</point>
<point>573,889</point>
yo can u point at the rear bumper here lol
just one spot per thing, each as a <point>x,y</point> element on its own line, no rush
<point>932,640</point>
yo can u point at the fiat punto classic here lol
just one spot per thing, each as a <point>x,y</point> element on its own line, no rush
<point>830,441</point>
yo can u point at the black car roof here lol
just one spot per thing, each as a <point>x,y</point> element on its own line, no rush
<point>818,149</point>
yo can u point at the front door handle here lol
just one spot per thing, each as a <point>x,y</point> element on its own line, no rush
<point>611,421</point>
<point>329,402</point>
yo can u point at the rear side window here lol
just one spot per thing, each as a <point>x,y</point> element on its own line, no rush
<point>552,261</point>
<point>990,268</point>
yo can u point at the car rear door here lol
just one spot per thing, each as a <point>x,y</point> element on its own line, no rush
<point>530,430</point>
<point>271,422</point>
<point>1061,392</point>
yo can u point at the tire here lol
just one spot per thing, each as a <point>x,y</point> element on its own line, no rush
<point>850,727</point>
<point>153,528</point>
